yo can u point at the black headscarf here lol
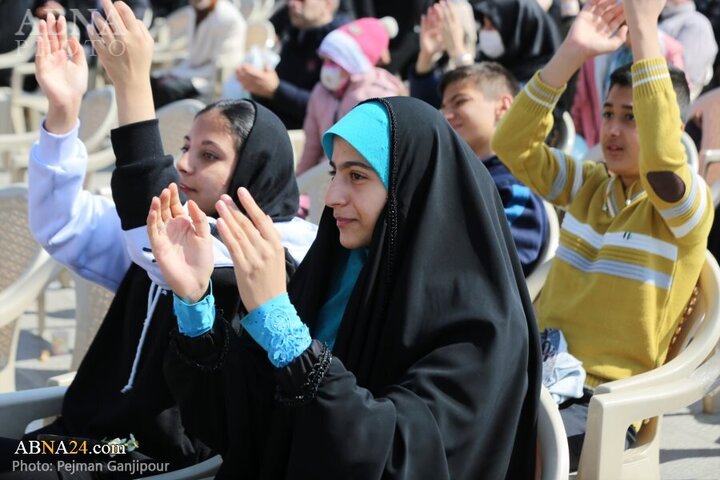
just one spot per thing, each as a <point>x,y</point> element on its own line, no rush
<point>529,34</point>
<point>439,327</point>
<point>266,167</point>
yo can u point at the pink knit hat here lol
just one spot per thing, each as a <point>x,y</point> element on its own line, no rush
<point>359,45</point>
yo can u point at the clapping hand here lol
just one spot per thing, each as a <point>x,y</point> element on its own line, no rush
<point>254,245</point>
<point>181,244</point>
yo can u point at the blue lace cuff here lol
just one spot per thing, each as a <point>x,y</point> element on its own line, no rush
<point>276,326</point>
<point>195,319</point>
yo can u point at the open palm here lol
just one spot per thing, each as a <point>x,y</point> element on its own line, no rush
<point>182,246</point>
<point>62,72</point>
<point>597,28</point>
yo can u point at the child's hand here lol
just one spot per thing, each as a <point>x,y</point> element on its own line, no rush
<point>452,29</point>
<point>643,11</point>
<point>181,244</point>
<point>597,28</point>
<point>123,44</point>
<point>254,245</point>
<point>62,72</point>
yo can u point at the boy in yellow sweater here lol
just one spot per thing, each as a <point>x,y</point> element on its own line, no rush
<point>634,235</point>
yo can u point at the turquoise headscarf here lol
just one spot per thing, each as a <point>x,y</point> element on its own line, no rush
<point>367,128</point>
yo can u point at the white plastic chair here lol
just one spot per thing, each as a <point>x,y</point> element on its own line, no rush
<point>684,379</point>
<point>98,115</point>
<point>18,409</point>
<point>297,139</point>
<point>172,35</point>
<point>690,151</point>
<point>25,269</point>
<point>314,182</point>
<point>175,121</point>
<point>552,440</point>
<point>535,280</point>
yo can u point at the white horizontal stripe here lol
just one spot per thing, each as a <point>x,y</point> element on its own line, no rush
<point>615,268</point>
<point>537,100</point>
<point>650,79</point>
<point>582,230</point>
<point>638,241</point>
<point>686,227</point>
<point>577,180</point>
<point>541,93</point>
<point>648,69</point>
<point>686,205</point>
<point>561,177</point>
<point>632,240</point>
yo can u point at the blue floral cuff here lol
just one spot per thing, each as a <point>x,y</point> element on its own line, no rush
<point>195,319</point>
<point>276,326</point>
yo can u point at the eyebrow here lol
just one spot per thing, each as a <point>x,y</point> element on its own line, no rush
<point>204,142</point>
<point>350,164</point>
<point>610,105</point>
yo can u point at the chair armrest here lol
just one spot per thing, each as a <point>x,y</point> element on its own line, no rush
<point>552,438</point>
<point>17,141</point>
<point>62,380</point>
<point>536,279</point>
<point>15,299</point>
<point>18,409</point>
<point>610,414</point>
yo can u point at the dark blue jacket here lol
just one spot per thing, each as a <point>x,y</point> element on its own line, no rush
<point>524,211</point>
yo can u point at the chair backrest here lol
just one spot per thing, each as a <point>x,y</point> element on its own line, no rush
<point>552,440</point>
<point>23,274</point>
<point>91,304</point>
<point>25,51</point>
<point>98,115</point>
<point>172,32</point>
<point>175,121</point>
<point>690,151</point>
<point>297,138</point>
<point>314,183</point>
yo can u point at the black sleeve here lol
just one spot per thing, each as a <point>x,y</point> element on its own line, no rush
<point>142,170</point>
<point>290,101</point>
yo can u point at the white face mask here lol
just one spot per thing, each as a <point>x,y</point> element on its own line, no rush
<point>332,77</point>
<point>491,43</point>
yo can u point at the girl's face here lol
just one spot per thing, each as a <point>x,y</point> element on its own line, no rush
<point>356,194</point>
<point>208,160</point>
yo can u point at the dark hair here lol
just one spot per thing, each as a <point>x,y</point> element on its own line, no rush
<point>240,115</point>
<point>491,78</point>
<point>622,77</point>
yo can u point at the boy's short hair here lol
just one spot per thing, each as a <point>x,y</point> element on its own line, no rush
<point>491,78</point>
<point>622,77</point>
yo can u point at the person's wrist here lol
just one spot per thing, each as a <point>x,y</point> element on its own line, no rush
<point>194,296</point>
<point>462,59</point>
<point>62,118</point>
<point>424,63</point>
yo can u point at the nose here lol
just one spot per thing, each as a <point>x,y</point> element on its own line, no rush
<point>335,195</point>
<point>447,113</point>
<point>183,164</point>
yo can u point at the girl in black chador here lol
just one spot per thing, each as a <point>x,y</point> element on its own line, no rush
<point>405,345</point>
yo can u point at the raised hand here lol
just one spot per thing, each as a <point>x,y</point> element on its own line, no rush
<point>451,29</point>
<point>254,245</point>
<point>181,244</point>
<point>125,47</point>
<point>598,28</point>
<point>62,72</point>
<point>431,40</point>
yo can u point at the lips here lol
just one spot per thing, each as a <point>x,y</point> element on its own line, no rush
<point>185,189</point>
<point>343,222</point>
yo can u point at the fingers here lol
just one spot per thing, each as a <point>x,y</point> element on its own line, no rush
<point>176,209</point>
<point>116,22</point>
<point>261,221</point>
<point>165,205</point>
<point>232,235</point>
<point>77,52</point>
<point>61,31</point>
<point>52,33</point>
<point>42,49</point>
<point>153,223</point>
<point>103,29</point>
<point>199,219</point>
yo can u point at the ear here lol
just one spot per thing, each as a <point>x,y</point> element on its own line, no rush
<point>503,105</point>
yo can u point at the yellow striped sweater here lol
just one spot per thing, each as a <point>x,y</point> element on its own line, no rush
<point>627,261</point>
